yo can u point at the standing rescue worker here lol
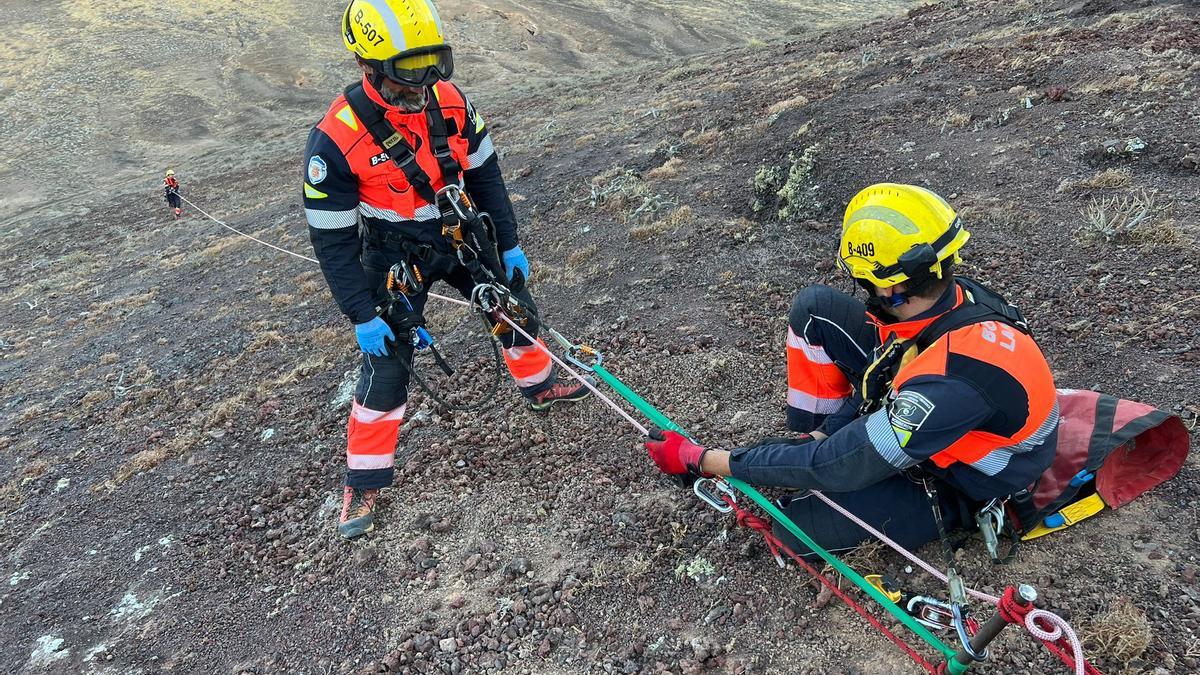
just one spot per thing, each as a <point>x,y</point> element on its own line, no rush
<point>171,192</point>
<point>934,380</point>
<point>401,164</point>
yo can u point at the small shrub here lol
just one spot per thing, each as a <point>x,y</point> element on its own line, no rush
<point>624,192</point>
<point>790,190</point>
<point>1118,217</point>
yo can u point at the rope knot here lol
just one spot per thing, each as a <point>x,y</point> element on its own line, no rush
<point>1010,607</point>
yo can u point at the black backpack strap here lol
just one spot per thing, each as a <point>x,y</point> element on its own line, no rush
<point>390,140</point>
<point>983,305</point>
<point>439,141</point>
<point>982,295</point>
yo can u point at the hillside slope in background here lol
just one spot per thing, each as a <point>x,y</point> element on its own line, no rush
<point>174,398</point>
<point>99,97</point>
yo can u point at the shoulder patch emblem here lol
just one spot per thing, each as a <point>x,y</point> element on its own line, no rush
<point>318,170</point>
<point>908,412</point>
<point>346,115</point>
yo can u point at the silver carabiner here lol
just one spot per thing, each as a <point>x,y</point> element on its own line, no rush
<point>960,626</point>
<point>486,296</point>
<point>931,612</point>
<point>453,194</point>
<point>990,520</point>
<point>712,495</point>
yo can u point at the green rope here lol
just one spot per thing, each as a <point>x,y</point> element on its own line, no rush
<point>845,570</point>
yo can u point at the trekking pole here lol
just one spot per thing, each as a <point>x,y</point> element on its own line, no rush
<point>990,630</point>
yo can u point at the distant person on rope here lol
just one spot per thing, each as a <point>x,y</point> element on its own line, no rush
<point>171,191</point>
<point>935,381</point>
<point>391,154</point>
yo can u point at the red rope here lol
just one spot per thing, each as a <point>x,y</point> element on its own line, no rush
<point>747,519</point>
<point>1012,611</point>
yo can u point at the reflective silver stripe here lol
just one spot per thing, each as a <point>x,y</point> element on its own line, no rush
<point>427,212</point>
<point>331,220</point>
<point>994,462</point>
<point>1047,427</point>
<point>883,437</point>
<point>814,353</point>
<point>809,403</point>
<point>483,154</point>
<point>424,213</point>
<point>997,460</point>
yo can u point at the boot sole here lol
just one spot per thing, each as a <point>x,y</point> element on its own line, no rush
<point>542,407</point>
<point>354,530</point>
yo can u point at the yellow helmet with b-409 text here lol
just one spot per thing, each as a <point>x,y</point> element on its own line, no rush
<point>401,40</point>
<point>899,234</point>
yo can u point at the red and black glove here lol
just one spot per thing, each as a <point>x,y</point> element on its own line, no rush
<point>674,453</point>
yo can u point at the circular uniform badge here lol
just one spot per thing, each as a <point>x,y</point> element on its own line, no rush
<point>317,169</point>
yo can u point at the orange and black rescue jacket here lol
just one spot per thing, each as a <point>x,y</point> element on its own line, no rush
<point>974,405</point>
<point>347,175</point>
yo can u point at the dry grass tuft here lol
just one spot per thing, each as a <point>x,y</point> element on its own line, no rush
<point>675,220</point>
<point>306,368</point>
<point>1123,632</point>
<point>150,458</point>
<point>953,119</point>
<point>582,256</point>
<point>781,107</point>
<point>10,496</point>
<point>224,411</point>
<point>669,169</point>
<point>95,397</point>
<point>1105,180</point>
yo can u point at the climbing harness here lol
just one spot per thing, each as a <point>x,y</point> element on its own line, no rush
<point>1015,606</point>
<point>403,280</point>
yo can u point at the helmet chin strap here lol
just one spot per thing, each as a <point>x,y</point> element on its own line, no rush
<point>876,301</point>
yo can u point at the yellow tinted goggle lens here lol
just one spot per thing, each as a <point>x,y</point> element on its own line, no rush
<point>416,62</point>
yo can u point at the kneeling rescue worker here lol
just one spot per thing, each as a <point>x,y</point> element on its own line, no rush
<point>932,392</point>
<point>398,170</point>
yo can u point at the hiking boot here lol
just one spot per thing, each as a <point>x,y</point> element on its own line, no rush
<point>560,391</point>
<point>358,512</point>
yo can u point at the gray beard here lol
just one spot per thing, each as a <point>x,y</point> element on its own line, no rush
<point>409,101</point>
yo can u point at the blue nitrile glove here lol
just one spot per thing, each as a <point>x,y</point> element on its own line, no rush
<point>514,258</point>
<point>372,335</point>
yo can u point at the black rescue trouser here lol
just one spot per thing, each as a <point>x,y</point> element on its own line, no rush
<point>379,401</point>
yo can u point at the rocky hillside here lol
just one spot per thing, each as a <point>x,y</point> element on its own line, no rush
<point>172,429</point>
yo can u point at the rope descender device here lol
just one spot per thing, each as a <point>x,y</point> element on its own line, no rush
<point>576,353</point>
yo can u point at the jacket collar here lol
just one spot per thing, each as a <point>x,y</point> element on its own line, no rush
<point>906,330</point>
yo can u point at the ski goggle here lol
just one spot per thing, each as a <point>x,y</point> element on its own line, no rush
<point>419,67</point>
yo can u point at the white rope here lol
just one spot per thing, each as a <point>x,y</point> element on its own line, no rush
<point>239,232</point>
<point>1060,625</point>
<point>537,343</point>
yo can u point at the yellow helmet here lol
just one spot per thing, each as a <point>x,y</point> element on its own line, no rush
<point>894,233</point>
<point>170,172</point>
<point>401,39</point>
